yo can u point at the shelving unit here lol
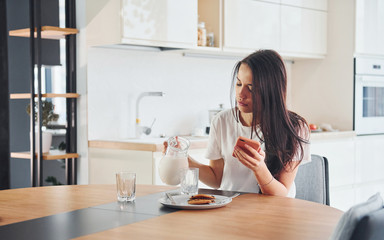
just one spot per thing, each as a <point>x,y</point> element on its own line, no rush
<point>44,95</point>
<point>47,32</point>
<point>211,12</point>
<point>55,33</point>
<point>52,155</point>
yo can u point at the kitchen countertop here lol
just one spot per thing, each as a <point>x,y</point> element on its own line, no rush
<point>196,142</point>
<point>145,144</point>
<point>332,135</point>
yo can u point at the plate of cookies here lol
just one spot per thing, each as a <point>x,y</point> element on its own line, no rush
<point>198,201</point>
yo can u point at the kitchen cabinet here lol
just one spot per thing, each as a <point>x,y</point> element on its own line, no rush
<point>303,31</point>
<point>369,34</point>
<point>168,23</point>
<point>295,28</point>
<point>106,158</point>
<point>159,23</point>
<point>310,4</point>
<point>340,153</point>
<point>369,158</point>
<point>105,163</point>
<point>251,25</point>
<point>355,166</point>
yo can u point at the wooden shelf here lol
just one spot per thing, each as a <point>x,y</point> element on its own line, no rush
<point>46,95</point>
<point>52,155</point>
<point>47,32</point>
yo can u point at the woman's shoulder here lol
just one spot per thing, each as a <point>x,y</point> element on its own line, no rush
<point>227,114</point>
<point>224,117</point>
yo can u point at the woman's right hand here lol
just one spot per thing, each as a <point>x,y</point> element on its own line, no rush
<point>165,146</point>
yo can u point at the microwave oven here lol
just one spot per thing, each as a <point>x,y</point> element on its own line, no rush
<point>369,96</point>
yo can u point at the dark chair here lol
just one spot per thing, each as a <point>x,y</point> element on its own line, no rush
<point>312,180</point>
<point>370,227</point>
<point>362,221</point>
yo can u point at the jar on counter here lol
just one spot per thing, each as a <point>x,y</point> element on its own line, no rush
<point>201,34</point>
<point>210,39</point>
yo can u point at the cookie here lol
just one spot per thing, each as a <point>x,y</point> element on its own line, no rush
<point>200,201</point>
<point>202,196</point>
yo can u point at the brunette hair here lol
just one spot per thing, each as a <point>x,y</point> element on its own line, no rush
<point>280,128</point>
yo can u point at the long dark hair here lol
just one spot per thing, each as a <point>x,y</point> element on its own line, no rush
<point>279,127</point>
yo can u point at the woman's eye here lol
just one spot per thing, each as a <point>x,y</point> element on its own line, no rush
<point>250,88</point>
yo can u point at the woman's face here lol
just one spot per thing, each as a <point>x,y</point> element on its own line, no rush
<point>244,89</point>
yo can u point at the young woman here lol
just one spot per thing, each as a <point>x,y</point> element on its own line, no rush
<point>260,113</point>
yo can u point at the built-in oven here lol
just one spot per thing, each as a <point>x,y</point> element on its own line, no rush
<point>369,96</point>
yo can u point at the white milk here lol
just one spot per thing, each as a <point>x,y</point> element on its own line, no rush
<point>169,169</point>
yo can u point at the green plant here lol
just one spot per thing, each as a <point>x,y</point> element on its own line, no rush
<point>48,114</point>
<point>53,180</point>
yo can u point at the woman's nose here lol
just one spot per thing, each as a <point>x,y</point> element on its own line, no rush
<point>242,92</point>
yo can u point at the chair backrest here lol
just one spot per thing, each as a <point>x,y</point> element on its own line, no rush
<point>362,221</point>
<point>370,227</point>
<point>312,180</point>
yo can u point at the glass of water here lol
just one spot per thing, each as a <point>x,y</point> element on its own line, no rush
<point>189,181</point>
<point>126,186</point>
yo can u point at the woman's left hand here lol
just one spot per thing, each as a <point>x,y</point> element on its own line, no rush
<point>254,160</point>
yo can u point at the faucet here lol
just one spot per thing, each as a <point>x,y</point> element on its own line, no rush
<point>143,129</point>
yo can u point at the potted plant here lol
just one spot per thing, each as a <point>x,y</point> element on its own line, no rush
<point>47,116</point>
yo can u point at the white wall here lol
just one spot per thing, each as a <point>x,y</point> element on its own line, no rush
<point>192,86</point>
<point>322,90</point>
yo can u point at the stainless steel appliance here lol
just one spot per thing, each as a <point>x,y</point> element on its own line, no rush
<point>369,96</point>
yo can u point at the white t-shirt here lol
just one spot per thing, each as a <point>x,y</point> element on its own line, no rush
<point>223,134</point>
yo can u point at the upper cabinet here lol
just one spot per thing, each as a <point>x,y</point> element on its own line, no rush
<point>303,30</point>
<point>296,28</point>
<point>168,23</point>
<point>369,27</point>
<point>250,24</point>
<point>160,23</point>
<point>309,4</point>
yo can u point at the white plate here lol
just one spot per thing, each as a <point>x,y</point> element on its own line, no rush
<point>182,202</point>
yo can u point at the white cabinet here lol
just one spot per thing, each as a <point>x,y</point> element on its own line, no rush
<point>168,23</point>
<point>341,159</point>
<point>311,4</point>
<point>303,31</point>
<point>369,27</point>
<point>370,158</point>
<point>105,163</point>
<point>164,23</point>
<point>356,166</point>
<point>293,27</point>
<point>250,24</point>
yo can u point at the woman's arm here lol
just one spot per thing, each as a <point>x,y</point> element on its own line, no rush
<point>279,187</point>
<point>268,184</point>
<point>210,175</point>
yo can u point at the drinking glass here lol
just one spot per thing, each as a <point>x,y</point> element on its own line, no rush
<point>189,181</point>
<point>126,186</point>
